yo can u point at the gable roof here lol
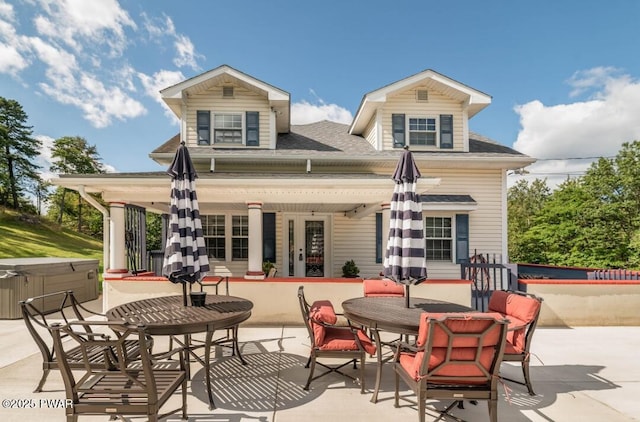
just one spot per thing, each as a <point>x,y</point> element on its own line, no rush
<point>278,98</point>
<point>475,99</point>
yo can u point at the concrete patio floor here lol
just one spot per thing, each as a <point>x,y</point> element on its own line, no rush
<point>582,374</point>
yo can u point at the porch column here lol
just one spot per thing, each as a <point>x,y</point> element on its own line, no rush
<point>254,270</point>
<point>386,215</point>
<point>117,252</point>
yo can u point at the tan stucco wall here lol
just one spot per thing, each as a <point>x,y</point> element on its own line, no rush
<point>571,304</point>
<point>277,302</point>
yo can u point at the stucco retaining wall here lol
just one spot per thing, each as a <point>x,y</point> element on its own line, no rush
<point>587,302</point>
<point>276,302</point>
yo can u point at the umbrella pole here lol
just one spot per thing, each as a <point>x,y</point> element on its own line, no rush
<point>407,296</point>
<point>184,293</point>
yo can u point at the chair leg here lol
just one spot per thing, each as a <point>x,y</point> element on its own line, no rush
<point>422,408</point>
<point>362,358</point>
<point>312,368</point>
<point>527,377</point>
<point>397,393</point>
<point>493,410</point>
<point>45,373</point>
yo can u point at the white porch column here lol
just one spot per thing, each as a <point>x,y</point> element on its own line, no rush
<point>117,252</point>
<point>254,270</point>
<point>386,215</point>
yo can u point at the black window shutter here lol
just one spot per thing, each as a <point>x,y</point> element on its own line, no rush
<point>446,131</point>
<point>462,238</point>
<point>203,123</point>
<point>398,129</point>
<point>253,125</point>
<point>269,237</point>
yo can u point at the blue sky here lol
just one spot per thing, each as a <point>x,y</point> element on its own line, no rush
<point>564,75</point>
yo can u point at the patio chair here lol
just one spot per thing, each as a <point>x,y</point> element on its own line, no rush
<point>63,306</point>
<point>116,387</point>
<point>456,356</point>
<point>329,340</point>
<point>522,310</point>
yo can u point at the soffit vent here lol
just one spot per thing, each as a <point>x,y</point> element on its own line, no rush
<point>422,95</point>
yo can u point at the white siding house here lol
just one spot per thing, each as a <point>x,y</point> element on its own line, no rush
<point>317,195</point>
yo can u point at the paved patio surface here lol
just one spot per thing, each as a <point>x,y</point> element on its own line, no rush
<point>579,374</point>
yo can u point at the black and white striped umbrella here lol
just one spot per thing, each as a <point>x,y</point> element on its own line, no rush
<point>405,261</point>
<point>185,254</point>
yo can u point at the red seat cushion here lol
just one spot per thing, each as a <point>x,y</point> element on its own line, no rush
<point>519,310</point>
<point>381,288</point>
<point>342,339</point>
<point>463,348</point>
<point>321,311</point>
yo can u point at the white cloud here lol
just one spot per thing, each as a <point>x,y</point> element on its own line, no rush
<point>75,22</point>
<point>186,53</point>
<point>11,61</point>
<point>596,127</point>
<point>304,112</point>
<point>45,159</point>
<point>159,28</point>
<point>158,81</point>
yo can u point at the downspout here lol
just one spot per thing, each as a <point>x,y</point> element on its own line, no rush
<point>106,221</point>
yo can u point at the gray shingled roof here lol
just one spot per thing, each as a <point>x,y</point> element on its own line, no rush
<point>429,198</point>
<point>329,138</point>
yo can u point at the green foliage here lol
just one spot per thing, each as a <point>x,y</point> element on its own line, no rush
<point>592,221</point>
<point>18,151</point>
<point>26,235</point>
<point>154,231</point>
<point>350,269</point>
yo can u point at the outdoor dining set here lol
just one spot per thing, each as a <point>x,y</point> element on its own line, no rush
<point>110,363</point>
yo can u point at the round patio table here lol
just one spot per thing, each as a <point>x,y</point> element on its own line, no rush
<point>392,314</point>
<point>167,315</point>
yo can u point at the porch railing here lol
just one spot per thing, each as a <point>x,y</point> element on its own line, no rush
<point>487,273</point>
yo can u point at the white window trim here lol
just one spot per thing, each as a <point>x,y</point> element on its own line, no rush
<point>228,238</point>
<point>408,132</point>
<point>243,130</point>
<point>452,217</point>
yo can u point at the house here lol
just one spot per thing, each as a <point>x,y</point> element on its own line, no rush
<point>310,197</point>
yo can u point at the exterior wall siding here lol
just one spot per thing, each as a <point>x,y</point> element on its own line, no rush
<point>355,238</point>
<point>243,101</point>
<point>371,132</point>
<point>406,103</point>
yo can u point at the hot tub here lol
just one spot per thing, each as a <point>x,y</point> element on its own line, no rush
<point>22,278</point>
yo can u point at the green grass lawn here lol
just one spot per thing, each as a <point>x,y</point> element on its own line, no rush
<point>29,237</point>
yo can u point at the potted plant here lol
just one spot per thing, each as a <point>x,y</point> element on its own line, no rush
<point>350,269</point>
<point>267,266</point>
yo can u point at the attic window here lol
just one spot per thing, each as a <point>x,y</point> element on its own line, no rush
<point>422,95</point>
<point>227,91</point>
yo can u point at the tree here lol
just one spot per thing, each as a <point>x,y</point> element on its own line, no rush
<point>18,150</point>
<point>524,203</point>
<point>73,155</point>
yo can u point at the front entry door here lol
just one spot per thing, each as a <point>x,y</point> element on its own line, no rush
<point>307,240</point>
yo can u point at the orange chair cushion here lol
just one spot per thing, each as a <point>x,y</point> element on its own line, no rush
<point>342,339</point>
<point>321,311</point>
<point>519,310</point>
<point>463,348</point>
<point>381,288</point>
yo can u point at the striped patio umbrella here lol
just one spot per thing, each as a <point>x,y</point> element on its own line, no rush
<point>405,260</point>
<point>185,254</point>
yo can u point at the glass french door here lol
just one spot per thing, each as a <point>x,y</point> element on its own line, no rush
<point>306,238</point>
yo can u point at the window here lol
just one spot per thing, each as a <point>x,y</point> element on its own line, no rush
<point>204,127</point>
<point>438,234</point>
<point>240,238</point>
<point>213,228</point>
<point>422,131</point>
<point>227,128</point>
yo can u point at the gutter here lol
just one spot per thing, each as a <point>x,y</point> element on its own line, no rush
<point>106,225</point>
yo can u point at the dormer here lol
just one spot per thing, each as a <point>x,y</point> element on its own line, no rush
<point>427,111</point>
<point>225,108</point>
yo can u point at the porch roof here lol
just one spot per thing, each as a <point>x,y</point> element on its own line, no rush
<point>304,192</point>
